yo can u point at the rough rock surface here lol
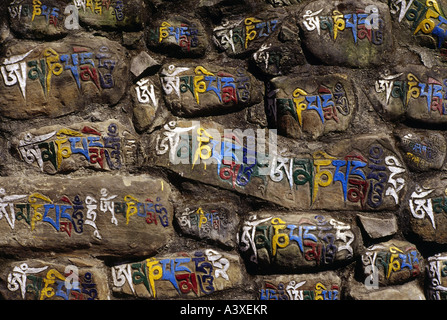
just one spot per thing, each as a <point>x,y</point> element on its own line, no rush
<point>392,262</point>
<point>274,243</point>
<point>313,286</point>
<point>311,107</point>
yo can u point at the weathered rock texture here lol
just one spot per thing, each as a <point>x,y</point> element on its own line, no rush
<point>253,149</point>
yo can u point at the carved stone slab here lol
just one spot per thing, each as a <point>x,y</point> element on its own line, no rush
<point>184,275</point>
<point>99,214</point>
<point>57,78</point>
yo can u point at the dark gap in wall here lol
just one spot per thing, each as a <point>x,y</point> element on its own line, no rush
<point>417,124</point>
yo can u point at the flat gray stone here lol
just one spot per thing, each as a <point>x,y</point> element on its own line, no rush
<point>141,62</point>
<point>378,227</point>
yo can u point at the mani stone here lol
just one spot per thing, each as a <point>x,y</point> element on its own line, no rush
<point>280,3</point>
<point>300,107</point>
<point>215,222</point>
<point>101,146</point>
<point>148,103</point>
<point>34,20</point>
<point>207,89</point>
<point>328,36</point>
<point>67,278</point>
<point>319,286</point>
<point>436,277</point>
<point>392,262</point>
<point>400,93</point>
<point>53,79</point>
<point>315,178</point>
<point>57,18</point>
<point>281,53</point>
<point>271,242</point>
<point>142,62</point>
<point>177,36</point>
<point>279,58</point>
<point>184,275</point>
<point>103,214</point>
<point>422,150</point>
<point>378,227</point>
<point>126,15</point>
<point>423,33</point>
<point>427,211</point>
<point>241,35</point>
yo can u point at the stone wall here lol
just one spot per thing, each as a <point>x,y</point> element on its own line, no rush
<point>219,149</point>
